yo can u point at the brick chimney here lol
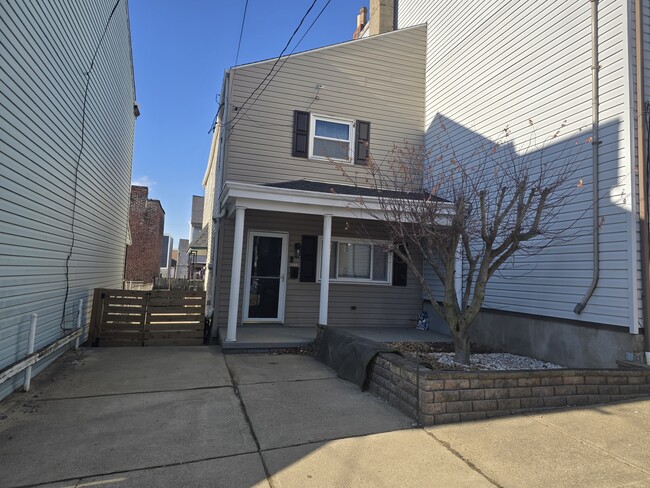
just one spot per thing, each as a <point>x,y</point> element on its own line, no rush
<point>362,20</point>
<point>382,17</point>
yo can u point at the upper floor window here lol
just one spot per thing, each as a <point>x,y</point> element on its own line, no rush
<point>330,139</point>
<point>320,137</point>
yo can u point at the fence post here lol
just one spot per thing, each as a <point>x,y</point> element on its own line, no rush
<point>145,317</point>
<point>30,349</point>
<point>81,306</point>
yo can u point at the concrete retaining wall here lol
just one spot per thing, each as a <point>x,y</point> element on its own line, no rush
<point>438,397</point>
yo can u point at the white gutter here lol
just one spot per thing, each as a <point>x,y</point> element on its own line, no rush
<point>630,158</point>
<point>643,172</point>
<point>218,141</point>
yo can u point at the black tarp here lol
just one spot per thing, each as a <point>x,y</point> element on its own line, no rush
<point>348,354</point>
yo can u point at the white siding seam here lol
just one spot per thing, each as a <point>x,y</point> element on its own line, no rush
<point>628,122</point>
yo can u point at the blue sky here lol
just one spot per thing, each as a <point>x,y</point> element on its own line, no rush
<point>180,51</point>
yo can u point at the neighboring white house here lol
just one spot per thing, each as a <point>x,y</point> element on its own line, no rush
<point>67,104</point>
<point>498,63</point>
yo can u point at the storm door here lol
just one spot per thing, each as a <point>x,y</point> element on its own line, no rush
<point>265,286</point>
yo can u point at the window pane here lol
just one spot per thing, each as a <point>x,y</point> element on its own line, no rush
<point>379,264</point>
<point>354,261</point>
<point>331,149</point>
<point>332,130</point>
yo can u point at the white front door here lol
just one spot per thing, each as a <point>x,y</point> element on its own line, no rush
<point>266,281</point>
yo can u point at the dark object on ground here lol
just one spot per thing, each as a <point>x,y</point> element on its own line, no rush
<point>207,330</point>
<point>348,354</point>
<point>307,350</point>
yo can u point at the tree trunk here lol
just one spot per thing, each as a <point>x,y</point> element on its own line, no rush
<point>461,347</point>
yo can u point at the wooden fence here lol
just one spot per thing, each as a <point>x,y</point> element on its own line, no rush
<point>147,318</point>
<point>177,284</point>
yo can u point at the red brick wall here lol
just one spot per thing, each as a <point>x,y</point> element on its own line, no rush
<point>146,221</point>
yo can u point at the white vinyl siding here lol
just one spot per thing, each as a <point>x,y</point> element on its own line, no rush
<point>497,64</point>
<point>379,80</point>
<point>45,51</point>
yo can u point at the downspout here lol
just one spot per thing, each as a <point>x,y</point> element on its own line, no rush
<point>595,142</point>
<point>643,171</point>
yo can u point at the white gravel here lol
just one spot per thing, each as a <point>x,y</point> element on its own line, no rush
<point>493,362</point>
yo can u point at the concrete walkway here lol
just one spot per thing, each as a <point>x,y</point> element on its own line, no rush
<point>158,417</point>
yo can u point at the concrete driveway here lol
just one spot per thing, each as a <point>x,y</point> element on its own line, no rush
<point>154,417</point>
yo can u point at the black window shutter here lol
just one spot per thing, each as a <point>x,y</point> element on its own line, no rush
<point>300,134</point>
<point>400,269</point>
<point>308,258</point>
<point>362,146</point>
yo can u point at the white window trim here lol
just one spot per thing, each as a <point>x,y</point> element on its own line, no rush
<point>365,281</point>
<point>312,134</point>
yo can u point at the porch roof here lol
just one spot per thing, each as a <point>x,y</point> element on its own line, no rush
<point>310,197</point>
<point>334,189</point>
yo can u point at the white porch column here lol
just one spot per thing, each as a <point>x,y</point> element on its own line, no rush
<point>235,277</point>
<point>325,269</point>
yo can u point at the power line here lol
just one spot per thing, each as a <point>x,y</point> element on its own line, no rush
<point>308,29</point>
<point>234,120</point>
<point>241,34</point>
<point>78,163</point>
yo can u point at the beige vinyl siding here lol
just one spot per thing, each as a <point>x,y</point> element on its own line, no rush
<point>497,64</point>
<point>376,305</point>
<point>209,190</point>
<point>45,51</point>
<point>380,80</point>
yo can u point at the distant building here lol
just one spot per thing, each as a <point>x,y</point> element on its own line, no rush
<point>146,221</point>
<point>166,256</point>
<point>196,219</point>
<point>198,245</point>
<point>182,259</point>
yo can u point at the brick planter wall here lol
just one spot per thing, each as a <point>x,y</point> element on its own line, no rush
<point>455,396</point>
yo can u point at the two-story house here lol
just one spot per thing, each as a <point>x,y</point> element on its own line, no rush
<point>478,67</point>
<point>67,105</point>
<point>279,197</point>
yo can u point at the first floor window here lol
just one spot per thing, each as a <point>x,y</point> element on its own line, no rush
<point>357,261</point>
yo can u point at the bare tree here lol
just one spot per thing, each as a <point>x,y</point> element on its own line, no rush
<point>484,205</point>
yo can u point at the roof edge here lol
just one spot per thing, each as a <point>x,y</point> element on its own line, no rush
<point>330,46</point>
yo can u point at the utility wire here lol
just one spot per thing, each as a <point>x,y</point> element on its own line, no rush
<point>309,28</point>
<point>78,163</point>
<point>241,34</point>
<point>233,122</point>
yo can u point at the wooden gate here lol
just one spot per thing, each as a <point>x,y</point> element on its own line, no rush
<point>147,318</point>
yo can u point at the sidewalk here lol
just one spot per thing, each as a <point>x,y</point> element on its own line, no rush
<point>157,417</point>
